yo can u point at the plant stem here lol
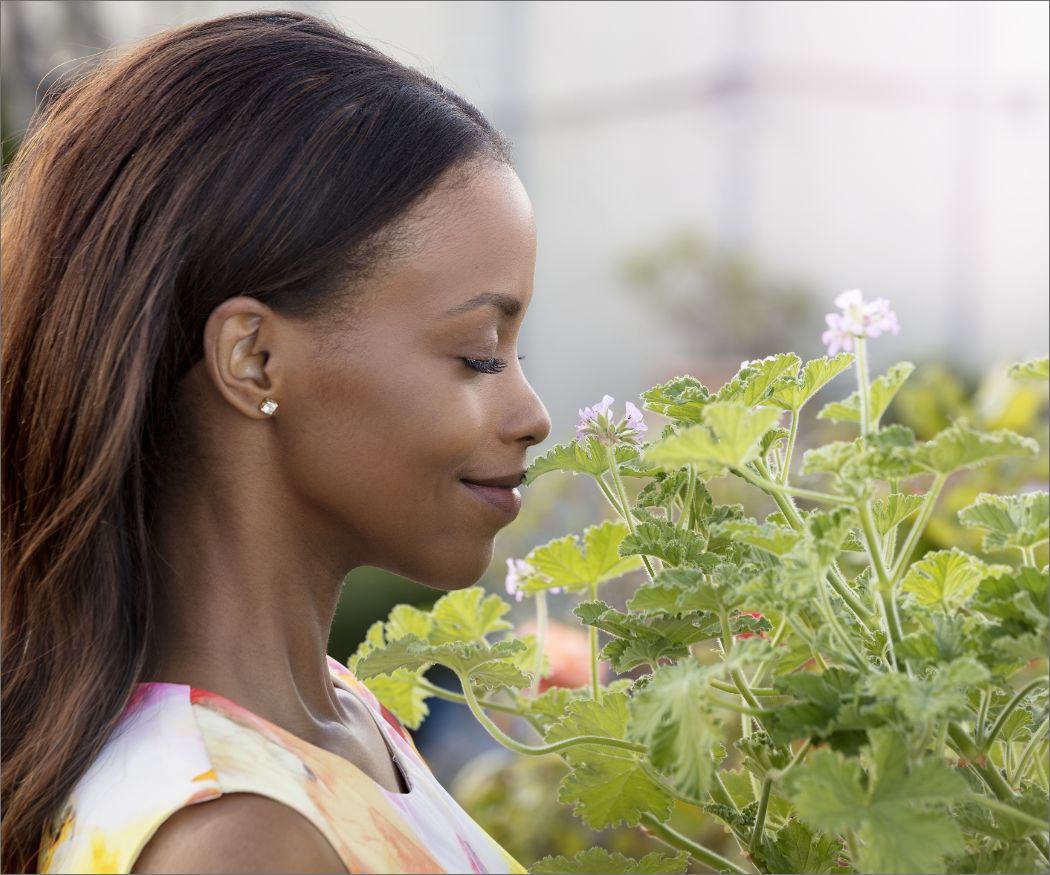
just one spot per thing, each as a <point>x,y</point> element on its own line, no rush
<point>865,389</point>
<point>685,517</point>
<point>829,615</point>
<point>541,634</point>
<point>886,590</point>
<point>675,839</point>
<point>786,466</point>
<point>529,750</point>
<point>1008,810</point>
<point>767,484</point>
<point>741,709</point>
<point>610,457</point>
<point>986,742</point>
<point>442,693</point>
<point>915,532</point>
<point>730,688</point>
<point>735,673</point>
<point>1038,736</point>
<point>981,719</point>
<point>760,816</point>
<point>592,639</point>
<point>791,514</point>
<point>760,672</point>
<point>1029,556</point>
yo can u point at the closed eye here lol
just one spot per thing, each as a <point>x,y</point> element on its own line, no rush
<point>488,366</point>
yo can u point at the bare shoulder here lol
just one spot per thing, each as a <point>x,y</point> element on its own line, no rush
<point>238,832</point>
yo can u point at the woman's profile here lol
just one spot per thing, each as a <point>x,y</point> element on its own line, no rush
<point>262,287</point>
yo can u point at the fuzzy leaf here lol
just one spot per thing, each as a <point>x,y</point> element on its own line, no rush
<point>894,509</point>
<point>729,438</point>
<point>947,579</point>
<point>662,539</point>
<point>752,383</point>
<point>564,563</point>
<point>1033,369</point>
<point>792,393</point>
<point>575,457</point>
<point>890,813</point>
<point>600,860</point>
<point>1011,520</point>
<point>465,615</point>
<point>923,700</point>
<point>882,391</point>
<point>961,446</point>
<point>682,399</point>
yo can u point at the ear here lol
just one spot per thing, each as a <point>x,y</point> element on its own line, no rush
<point>240,353</point>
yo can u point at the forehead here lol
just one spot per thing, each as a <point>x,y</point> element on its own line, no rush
<point>472,237</point>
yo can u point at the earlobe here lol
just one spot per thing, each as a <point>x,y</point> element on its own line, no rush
<point>237,355</point>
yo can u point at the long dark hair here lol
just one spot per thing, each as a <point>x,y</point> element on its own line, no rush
<point>264,154</point>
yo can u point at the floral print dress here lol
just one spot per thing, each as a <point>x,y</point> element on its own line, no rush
<point>177,745</point>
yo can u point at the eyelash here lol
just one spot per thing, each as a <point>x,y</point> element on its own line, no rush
<point>488,366</point>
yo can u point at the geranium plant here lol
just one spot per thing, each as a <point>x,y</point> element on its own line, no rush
<point>892,707</point>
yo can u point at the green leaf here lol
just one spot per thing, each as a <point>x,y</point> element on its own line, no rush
<point>752,383</point>
<point>674,717</point>
<point>409,620</point>
<point>947,579</point>
<point>1011,520</point>
<point>818,699</point>
<point>890,812</point>
<point>772,538</point>
<point>466,615</point>
<point>797,848</point>
<point>606,785</point>
<point>882,391</point>
<point>600,860</point>
<point>662,539</point>
<point>575,457</point>
<point>729,438</point>
<point>894,509</point>
<point>682,399</point>
<point>566,564</point>
<point>489,667</point>
<point>400,693</point>
<point>885,454</point>
<point>924,700</point>
<point>961,446</point>
<point>792,393</point>
<point>1034,369</point>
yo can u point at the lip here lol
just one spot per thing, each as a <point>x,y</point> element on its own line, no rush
<point>507,501</point>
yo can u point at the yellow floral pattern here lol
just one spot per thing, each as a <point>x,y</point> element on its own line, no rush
<point>177,745</point>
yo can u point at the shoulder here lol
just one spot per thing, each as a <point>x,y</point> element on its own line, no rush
<point>238,832</point>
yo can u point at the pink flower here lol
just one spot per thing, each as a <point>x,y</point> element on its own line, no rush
<point>597,421</point>
<point>858,319</point>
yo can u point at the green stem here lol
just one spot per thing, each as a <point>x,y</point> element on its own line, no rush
<point>915,532</point>
<point>865,389</point>
<point>685,517</point>
<point>668,836</point>
<point>442,693</point>
<point>982,718</point>
<point>529,750</point>
<point>610,457</point>
<point>763,803</point>
<point>785,468</point>
<point>541,634</point>
<point>1028,554</point>
<point>741,709</point>
<point>731,688</point>
<point>735,673</point>
<point>1008,810</point>
<point>592,639</point>
<point>844,638</point>
<point>767,484</point>
<point>760,672</point>
<point>838,583</point>
<point>986,742</point>
<point>886,591</point>
<point>1022,762</point>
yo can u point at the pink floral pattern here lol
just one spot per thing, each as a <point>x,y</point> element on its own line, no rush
<point>177,745</point>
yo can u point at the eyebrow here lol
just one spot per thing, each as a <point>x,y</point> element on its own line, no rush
<point>507,305</point>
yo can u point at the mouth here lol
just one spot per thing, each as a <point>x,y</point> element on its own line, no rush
<point>505,499</point>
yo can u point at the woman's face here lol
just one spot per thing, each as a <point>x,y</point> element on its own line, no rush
<point>378,428</point>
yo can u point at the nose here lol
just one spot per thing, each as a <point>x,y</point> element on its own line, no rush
<point>531,421</point>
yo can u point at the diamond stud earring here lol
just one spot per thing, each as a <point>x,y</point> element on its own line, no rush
<point>268,406</point>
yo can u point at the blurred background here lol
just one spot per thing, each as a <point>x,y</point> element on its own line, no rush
<point>706,178</point>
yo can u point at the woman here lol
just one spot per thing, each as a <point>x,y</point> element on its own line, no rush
<point>262,289</point>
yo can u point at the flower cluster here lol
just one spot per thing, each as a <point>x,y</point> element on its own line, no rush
<point>859,318</point>
<point>518,572</point>
<point>596,421</point>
